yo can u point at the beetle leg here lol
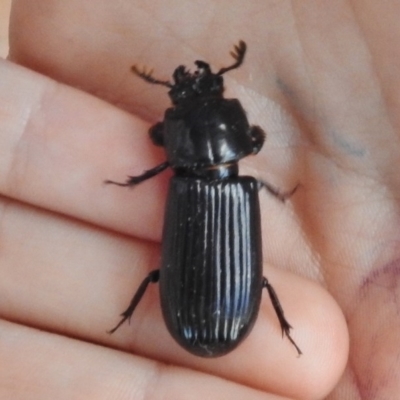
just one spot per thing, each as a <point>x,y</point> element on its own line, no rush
<point>148,76</point>
<point>134,180</point>
<point>258,138</point>
<point>153,277</point>
<point>275,192</point>
<point>285,326</point>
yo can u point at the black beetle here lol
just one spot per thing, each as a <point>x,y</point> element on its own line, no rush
<point>211,264</point>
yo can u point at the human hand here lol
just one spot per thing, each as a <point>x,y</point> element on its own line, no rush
<point>74,251</point>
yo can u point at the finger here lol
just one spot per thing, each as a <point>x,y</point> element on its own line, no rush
<point>73,278</point>
<point>42,365</point>
<point>99,58</point>
<point>58,145</point>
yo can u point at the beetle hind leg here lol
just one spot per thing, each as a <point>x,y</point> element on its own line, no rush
<point>152,277</point>
<point>285,326</point>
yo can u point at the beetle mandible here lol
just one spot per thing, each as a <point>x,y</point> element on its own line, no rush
<point>210,273</point>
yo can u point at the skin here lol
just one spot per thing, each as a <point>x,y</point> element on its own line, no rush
<point>320,77</point>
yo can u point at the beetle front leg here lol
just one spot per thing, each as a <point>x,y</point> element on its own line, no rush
<point>153,277</point>
<point>134,180</point>
<point>285,326</point>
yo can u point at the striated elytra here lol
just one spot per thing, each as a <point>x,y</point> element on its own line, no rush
<point>210,273</point>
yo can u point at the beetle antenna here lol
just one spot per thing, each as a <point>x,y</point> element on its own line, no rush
<point>148,77</point>
<point>238,54</point>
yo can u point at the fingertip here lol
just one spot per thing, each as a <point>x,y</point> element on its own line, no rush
<point>319,330</point>
<point>322,335</point>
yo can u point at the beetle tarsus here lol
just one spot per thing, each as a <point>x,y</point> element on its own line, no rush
<point>135,180</point>
<point>148,76</point>
<point>152,277</point>
<point>275,192</point>
<point>285,326</point>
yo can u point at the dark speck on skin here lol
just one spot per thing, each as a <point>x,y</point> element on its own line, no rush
<point>285,88</point>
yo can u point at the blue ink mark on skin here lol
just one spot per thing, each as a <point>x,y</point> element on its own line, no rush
<point>348,147</point>
<point>339,140</point>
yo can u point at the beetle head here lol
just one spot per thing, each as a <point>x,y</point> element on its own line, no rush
<point>190,86</point>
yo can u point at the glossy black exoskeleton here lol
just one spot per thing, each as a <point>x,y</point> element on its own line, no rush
<point>211,263</point>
